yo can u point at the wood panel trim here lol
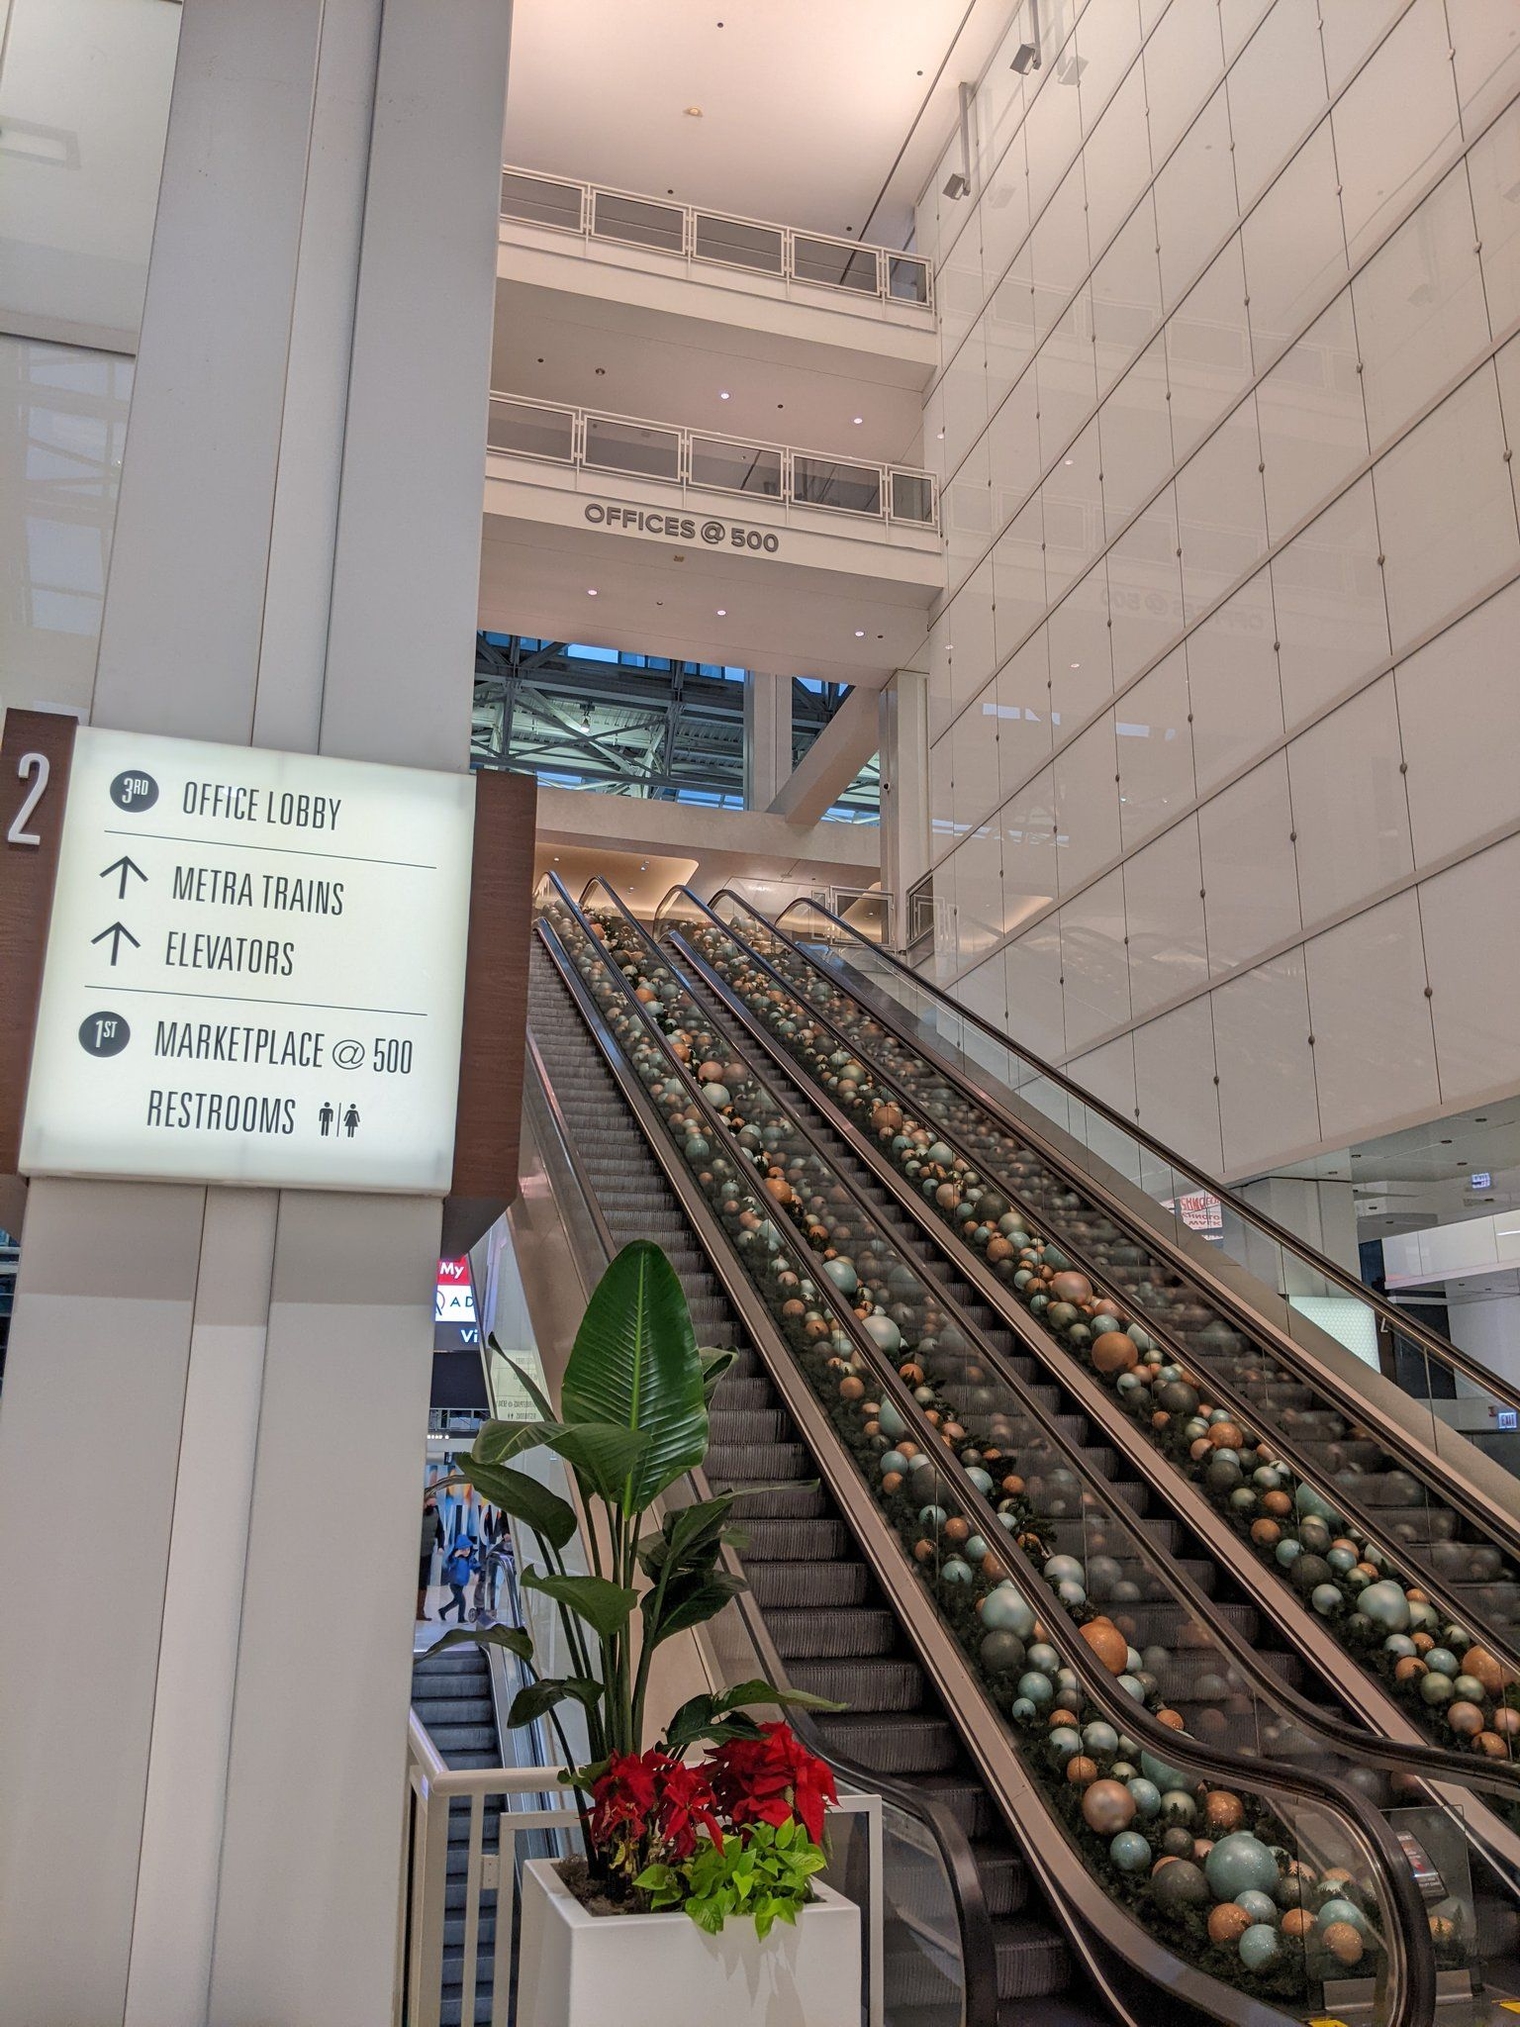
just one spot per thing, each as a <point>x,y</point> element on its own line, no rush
<point>27,875</point>
<point>493,1043</point>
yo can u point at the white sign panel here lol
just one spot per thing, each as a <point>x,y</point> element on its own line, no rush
<point>255,970</point>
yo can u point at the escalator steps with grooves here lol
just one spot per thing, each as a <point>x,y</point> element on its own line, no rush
<point>451,1694</point>
<point>831,1622</point>
<point>1158,1621</point>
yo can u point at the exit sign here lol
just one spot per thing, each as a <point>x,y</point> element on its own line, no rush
<point>1482,1180</point>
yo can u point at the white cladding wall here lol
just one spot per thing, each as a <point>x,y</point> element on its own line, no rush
<point>1224,696</point>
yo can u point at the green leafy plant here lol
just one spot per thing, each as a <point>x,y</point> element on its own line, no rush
<point>633,1419</point>
<point>765,1874</point>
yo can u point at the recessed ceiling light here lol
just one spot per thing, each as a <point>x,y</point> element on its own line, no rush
<point>723,612</point>
<point>723,394</point>
<point>1073,665</point>
<point>860,633</point>
<point>589,592</point>
<point>1071,460</point>
<point>694,112</point>
<point>858,420</point>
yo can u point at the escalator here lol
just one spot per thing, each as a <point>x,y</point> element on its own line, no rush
<point>825,1613</point>
<point>451,1695</point>
<point>1343,1504</point>
<point>847,1607</point>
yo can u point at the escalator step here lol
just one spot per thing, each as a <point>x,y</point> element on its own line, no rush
<point>913,1745</point>
<point>806,1586</point>
<point>803,1635</point>
<point>868,1686</point>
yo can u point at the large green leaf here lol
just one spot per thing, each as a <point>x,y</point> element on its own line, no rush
<point>605,1455</point>
<point>539,1697</point>
<point>513,1638</point>
<point>499,1441</point>
<point>686,1539</point>
<point>689,1601</point>
<point>635,1362</point>
<point>714,1365</point>
<point>603,1605</point>
<point>523,1498</point>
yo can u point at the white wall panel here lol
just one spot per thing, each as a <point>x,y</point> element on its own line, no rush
<point>1349,804</point>
<point>1153,745</point>
<point>1384,160</point>
<point>1446,510</point>
<point>1374,1053</point>
<point>1420,313</point>
<point>1175,1089</point>
<point>1250,873</point>
<point>1466,923</point>
<point>1267,1099</point>
<point>1155,393</point>
<point>1313,428</point>
<point>1276,91</point>
<point>1232,678</point>
<point>1094,962</point>
<point>1163,906</point>
<point>1327,594</point>
<point>1459,714</point>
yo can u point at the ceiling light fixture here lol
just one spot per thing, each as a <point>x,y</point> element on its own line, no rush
<point>859,420</point>
<point>723,394</point>
<point>860,633</point>
<point>723,612</point>
<point>585,721</point>
<point>694,112</point>
<point>590,593</point>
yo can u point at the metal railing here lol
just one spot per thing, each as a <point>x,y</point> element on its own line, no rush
<point>486,1925</point>
<point>631,447</point>
<point>717,239</point>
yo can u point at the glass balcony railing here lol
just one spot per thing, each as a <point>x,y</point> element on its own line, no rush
<point>713,239</point>
<point>718,464</point>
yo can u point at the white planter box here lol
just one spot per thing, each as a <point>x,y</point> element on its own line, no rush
<point>660,1970</point>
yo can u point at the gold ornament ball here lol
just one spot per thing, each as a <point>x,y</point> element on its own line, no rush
<point>1227,1924</point>
<point>1343,1942</point>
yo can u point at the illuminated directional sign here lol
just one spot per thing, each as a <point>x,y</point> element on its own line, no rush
<point>254,971</point>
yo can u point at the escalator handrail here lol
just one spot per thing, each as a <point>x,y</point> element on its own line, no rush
<point>1419,1760</point>
<point>1409,1933</point>
<point>881,1551</point>
<point>973,1916</point>
<point>1440,1348</point>
<point>1482,1512</point>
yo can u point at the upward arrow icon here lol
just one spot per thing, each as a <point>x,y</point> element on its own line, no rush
<point>124,865</point>
<point>116,932</point>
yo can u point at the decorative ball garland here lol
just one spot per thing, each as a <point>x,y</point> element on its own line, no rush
<point>1459,1693</point>
<point>1121,1805</point>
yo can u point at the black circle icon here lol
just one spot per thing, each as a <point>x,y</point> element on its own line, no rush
<point>134,791</point>
<point>712,531</point>
<point>104,1034</point>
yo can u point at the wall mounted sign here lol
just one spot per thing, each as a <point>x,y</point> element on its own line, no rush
<point>706,529</point>
<point>258,967</point>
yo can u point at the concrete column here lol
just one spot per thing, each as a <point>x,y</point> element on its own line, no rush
<point>1485,1323</point>
<point>202,1712</point>
<point>767,738</point>
<point>1321,1213</point>
<point>904,748</point>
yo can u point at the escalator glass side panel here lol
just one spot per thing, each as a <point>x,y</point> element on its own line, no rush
<point>1016,1634</point>
<point>1176,1194</point>
<point>1145,1334</point>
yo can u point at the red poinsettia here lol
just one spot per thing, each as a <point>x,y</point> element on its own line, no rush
<point>770,1779</point>
<point>647,1808</point>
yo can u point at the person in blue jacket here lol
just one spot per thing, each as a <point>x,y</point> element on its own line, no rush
<point>459,1565</point>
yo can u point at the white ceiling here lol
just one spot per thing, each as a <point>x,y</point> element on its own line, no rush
<point>806,104</point>
<point>1423,1174</point>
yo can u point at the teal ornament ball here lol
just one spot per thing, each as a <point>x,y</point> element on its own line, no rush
<point>1099,1737</point>
<point>933,1519</point>
<point>1035,1688</point>
<point>981,1479</point>
<point>1065,1742</point>
<point>1441,1660</point>
<point>1130,1852</point>
<point>1386,1605</point>
<point>1343,1910</point>
<point>1004,1611</point>
<point>956,1572</point>
<point>1044,1657</point>
<point>1179,1810</point>
<point>843,1275</point>
<point>1325,1599</point>
<point>1261,1907</point>
<point>1147,1796</point>
<point>1260,1946</point>
<point>1240,1863</point>
<point>1158,1771</point>
<point>1060,1568</point>
<point>891,1460</point>
<point>1437,1689</point>
<point>884,1334</point>
<point>889,1416</point>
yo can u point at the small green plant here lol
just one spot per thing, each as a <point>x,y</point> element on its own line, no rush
<point>766,1876</point>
